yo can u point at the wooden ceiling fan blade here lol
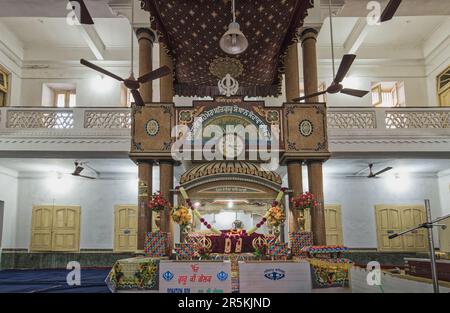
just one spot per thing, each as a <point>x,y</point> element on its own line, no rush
<point>88,177</point>
<point>85,16</point>
<point>383,171</point>
<point>101,70</point>
<point>158,73</point>
<point>137,97</point>
<point>346,63</point>
<point>77,170</point>
<point>309,96</point>
<point>390,10</point>
<point>354,92</point>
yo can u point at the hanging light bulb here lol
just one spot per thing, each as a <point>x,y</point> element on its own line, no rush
<point>233,41</point>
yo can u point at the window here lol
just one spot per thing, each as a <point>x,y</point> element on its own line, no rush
<point>60,95</point>
<point>388,94</point>
<point>444,87</point>
<point>3,86</point>
<point>65,98</point>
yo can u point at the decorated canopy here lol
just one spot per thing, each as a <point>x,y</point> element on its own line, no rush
<point>191,31</point>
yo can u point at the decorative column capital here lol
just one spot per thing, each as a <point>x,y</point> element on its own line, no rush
<point>308,33</point>
<point>147,34</point>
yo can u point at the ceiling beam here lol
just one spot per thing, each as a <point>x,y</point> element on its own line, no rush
<point>357,36</point>
<point>93,40</point>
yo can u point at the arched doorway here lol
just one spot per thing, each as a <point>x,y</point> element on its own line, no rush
<point>234,194</point>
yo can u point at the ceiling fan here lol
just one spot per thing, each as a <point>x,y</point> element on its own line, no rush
<point>132,83</point>
<point>85,17</point>
<point>79,167</point>
<point>371,173</point>
<point>390,10</point>
<point>344,67</point>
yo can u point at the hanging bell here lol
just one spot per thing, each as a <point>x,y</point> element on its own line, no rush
<point>233,41</point>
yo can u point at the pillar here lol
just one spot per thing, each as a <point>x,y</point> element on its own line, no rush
<point>166,83</point>
<point>145,174</point>
<point>166,187</point>
<point>145,39</point>
<point>310,79</point>
<point>315,181</point>
<point>292,73</point>
<point>294,169</point>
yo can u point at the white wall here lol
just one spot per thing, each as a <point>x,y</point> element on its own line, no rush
<point>11,55</point>
<point>365,72</point>
<point>97,199</point>
<point>358,196</point>
<point>9,194</point>
<point>444,191</point>
<point>91,90</point>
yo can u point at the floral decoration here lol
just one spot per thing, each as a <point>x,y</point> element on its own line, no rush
<point>158,203</point>
<point>181,215</point>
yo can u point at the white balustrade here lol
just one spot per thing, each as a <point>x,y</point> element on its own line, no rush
<point>73,118</point>
<point>350,129</point>
<point>120,118</point>
<point>388,118</point>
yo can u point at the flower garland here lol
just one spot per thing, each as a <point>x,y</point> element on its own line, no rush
<point>196,212</point>
<point>270,212</point>
<point>274,215</point>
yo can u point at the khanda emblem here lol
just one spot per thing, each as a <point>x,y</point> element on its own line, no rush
<point>228,86</point>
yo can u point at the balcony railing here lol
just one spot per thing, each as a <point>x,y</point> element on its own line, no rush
<point>120,118</point>
<point>74,118</point>
<point>388,118</point>
<point>350,130</point>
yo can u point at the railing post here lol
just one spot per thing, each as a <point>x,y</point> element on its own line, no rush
<point>380,115</point>
<point>3,117</point>
<point>78,118</point>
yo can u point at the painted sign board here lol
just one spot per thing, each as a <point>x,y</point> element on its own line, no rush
<point>274,277</point>
<point>194,277</point>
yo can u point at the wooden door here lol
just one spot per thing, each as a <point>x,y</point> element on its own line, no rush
<point>444,236</point>
<point>396,218</point>
<point>417,240</point>
<point>388,219</point>
<point>66,228</point>
<point>333,224</point>
<point>125,230</point>
<point>41,228</point>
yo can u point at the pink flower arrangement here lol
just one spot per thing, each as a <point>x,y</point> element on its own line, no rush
<point>304,201</point>
<point>158,203</point>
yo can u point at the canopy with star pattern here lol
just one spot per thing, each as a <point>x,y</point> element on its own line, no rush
<point>191,30</point>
